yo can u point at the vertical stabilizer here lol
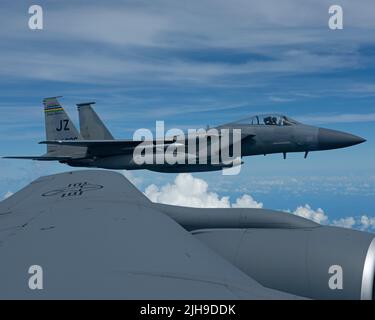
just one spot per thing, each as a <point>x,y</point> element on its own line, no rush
<point>91,126</point>
<point>60,127</point>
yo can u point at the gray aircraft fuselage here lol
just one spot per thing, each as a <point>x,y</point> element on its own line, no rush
<point>297,138</point>
<point>260,135</point>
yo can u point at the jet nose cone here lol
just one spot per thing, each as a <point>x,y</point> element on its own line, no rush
<point>332,139</point>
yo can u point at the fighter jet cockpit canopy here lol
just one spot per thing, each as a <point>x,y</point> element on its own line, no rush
<point>268,120</point>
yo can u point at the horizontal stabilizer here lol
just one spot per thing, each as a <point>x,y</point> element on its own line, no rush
<point>103,143</point>
<point>110,147</point>
<point>39,158</point>
<point>92,143</point>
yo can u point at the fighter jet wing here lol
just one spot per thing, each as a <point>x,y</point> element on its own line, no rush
<point>106,147</point>
<point>94,235</point>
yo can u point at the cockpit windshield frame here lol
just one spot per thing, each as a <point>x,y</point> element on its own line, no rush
<point>268,120</point>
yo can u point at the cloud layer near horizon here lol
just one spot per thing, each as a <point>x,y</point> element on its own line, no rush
<point>187,190</point>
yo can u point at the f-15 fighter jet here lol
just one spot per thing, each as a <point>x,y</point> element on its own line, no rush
<point>95,146</point>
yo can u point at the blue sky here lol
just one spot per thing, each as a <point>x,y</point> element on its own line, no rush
<point>197,63</point>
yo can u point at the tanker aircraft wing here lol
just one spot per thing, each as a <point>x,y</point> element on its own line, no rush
<point>94,235</point>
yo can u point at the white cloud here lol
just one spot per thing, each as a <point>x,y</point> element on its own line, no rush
<point>367,222</point>
<point>187,190</point>
<point>190,191</point>
<point>363,222</point>
<point>348,222</point>
<point>8,194</point>
<point>247,201</point>
<point>280,99</point>
<point>307,212</point>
